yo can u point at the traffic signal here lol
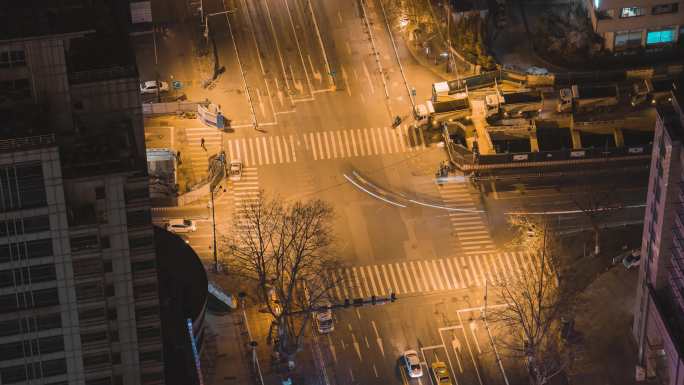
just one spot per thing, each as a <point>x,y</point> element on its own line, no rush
<point>346,302</point>
<point>373,299</point>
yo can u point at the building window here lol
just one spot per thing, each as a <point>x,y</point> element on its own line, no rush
<point>661,36</point>
<point>143,265</point>
<point>146,290</point>
<point>107,266</point>
<point>54,367</point>
<point>13,58</point>
<point>87,242</point>
<point>13,374</point>
<point>627,39</point>
<point>138,218</point>
<point>665,8</point>
<point>148,332</point>
<point>99,381</point>
<point>87,268</point>
<point>109,291</point>
<point>49,321</point>
<point>135,243</point>
<point>104,242</point>
<point>22,186</point>
<point>151,356</point>
<point>91,315</point>
<point>89,338</point>
<point>92,361</point>
<point>89,291</point>
<point>47,297</point>
<point>100,192</point>
<point>632,12</point>
<point>116,358</point>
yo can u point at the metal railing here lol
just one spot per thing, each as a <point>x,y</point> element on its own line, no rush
<point>27,142</point>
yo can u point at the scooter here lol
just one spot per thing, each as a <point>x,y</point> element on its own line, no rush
<point>397,122</point>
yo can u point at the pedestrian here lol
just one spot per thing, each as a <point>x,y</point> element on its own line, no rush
<point>202,145</point>
<point>178,157</point>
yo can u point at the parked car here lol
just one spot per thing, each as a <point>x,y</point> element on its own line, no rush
<point>412,363</point>
<point>537,71</point>
<point>632,260</point>
<point>324,319</point>
<point>151,86</point>
<point>235,171</point>
<point>441,373</point>
<point>181,226</point>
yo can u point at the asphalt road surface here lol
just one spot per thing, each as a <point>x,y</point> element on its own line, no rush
<point>311,88</point>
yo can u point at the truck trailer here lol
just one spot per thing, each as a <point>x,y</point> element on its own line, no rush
<point>587,98</point>
<point>652,91</point>
<point>514,103</point>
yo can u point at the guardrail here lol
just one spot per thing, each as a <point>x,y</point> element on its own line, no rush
<point>488,79</point>
<point>168,108</point>
<point>465,160</point>
<point>27,142</point>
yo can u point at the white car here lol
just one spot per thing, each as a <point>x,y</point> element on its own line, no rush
<point>150,87</point>
<point>537,71</point>
<point>181,226</point>
<point>235,171</point>
<point>412,363</point>
<point>324,319</point>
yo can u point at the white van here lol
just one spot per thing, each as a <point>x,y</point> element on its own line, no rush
<point>181,226</point>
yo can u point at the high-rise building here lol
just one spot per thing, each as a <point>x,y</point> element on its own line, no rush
<point>79,300</point>
<point>659,310</point>
<point>649,24</point>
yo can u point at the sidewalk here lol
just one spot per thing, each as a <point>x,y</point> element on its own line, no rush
<point>231,360</point>
<point>605,321</point>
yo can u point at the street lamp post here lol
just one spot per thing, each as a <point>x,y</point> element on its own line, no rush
<point>213,228</point>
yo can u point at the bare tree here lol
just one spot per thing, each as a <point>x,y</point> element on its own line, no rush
<point>597,203</point>
<point>531,321</point>
<point>285,250</point>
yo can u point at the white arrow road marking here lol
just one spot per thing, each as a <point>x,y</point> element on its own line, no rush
<point>378,339</point>
<point>358,314</point>
<point>404,380</point>
<point>351,374</point>
<point>367,344</point>
<point>332,348</point>
<point>473,327</point>
<point>376,372</point>
<point>356,347</point>
<point>456,344</point>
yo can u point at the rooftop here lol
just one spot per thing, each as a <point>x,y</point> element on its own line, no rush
<point>32,18</point>
<point>673,116</point>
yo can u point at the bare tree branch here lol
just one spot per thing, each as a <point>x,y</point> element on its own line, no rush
<point>286,250</point>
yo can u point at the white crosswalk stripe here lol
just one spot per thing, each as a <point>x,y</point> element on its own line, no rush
<point>470,227</point>
<point>323,145</point>
<point>199,156</point>
<point>428,276</point>
<point>245,191</point>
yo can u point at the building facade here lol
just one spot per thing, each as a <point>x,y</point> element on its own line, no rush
<point>627,25</point>
<point>659,311</point>
<point>79,299</point>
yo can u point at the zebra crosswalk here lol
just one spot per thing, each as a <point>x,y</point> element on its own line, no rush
<point>471,231</point>
<point>426,276</point>
<point>363,142</point>
<point>324,145</point>
<point>245,192</point>
<point>198,154</point>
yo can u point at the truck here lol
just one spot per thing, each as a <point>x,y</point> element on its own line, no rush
<point>587,98</point>
<point>514,103</point>
<point>652,91</point>
<point>448,90</point>
<point>441,111</point>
